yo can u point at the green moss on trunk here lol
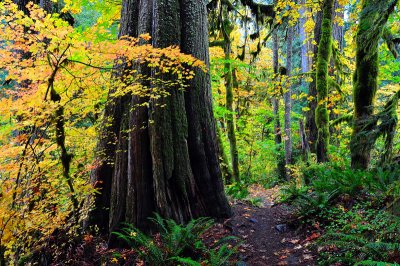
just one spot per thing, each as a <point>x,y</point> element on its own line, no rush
<point>373,18</point>
<point>227,28</point>
<point>323,59</point>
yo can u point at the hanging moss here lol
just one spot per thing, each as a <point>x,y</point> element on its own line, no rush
<point>373,18</point>
<point>322,80</point>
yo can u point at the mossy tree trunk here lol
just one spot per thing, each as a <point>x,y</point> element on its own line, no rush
<point>373,18</point>
<point>323,60</point>
<point>311,127</point>
<point>288,102</point>
<point>230,124</point>
<point>275,103</point>
<point>335,71</point>
<point>224,162</point>
<point>169,166</point>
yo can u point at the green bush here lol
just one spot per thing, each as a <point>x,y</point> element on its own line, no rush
<point>361,236</point>
<point>237,191</point>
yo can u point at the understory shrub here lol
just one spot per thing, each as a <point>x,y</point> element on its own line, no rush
<point>354,211</point>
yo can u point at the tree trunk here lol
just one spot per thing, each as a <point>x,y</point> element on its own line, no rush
<point>373,18</point>
<point>275,103</point>
<point>338,36</point>
<point>202,140</point>
<point>288,102</point>
<point>305,147</point>
<point>171,165</point>
<point>304,45</point>
<point>224,162</point>
<point>229,105</point>
<point>311,127</point>
<point>323,60</point>
<point>338,29</point>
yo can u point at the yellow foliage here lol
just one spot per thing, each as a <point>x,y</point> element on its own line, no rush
<point>43,57</point>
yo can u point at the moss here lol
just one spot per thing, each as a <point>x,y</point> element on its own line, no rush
<point>322,81</point>
<point>373,18</point>
<point>227,29</point>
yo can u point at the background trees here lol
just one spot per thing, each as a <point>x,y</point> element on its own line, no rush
<point>115,106</point>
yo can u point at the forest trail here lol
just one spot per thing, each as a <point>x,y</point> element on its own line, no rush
<point>267,239</point>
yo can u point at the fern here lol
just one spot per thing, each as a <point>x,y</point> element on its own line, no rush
<point>221,256</point>
<point>180,244</point>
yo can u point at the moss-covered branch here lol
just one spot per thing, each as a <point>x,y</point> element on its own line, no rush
<point>347,118</point>
<point>392,41</point>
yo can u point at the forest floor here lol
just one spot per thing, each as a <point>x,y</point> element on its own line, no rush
<point>266,234</point>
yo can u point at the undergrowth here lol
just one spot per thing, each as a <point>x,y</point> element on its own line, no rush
<point>355,211</point>
<point>177,244</point>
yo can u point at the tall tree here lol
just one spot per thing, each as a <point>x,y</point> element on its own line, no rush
<point>311,127</point>
<point>373,18</point>
<point>170,165</point>
<point>335,68</point>
<point>275,103</point>
<point>227,28</point>
<point>305,60</point>
<point>338,29</point>
<point>322,75</point>
<point>288,100</point>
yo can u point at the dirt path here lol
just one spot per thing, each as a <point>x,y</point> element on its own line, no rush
<point>267,240</point>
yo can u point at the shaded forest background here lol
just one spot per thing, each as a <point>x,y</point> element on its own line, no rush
<point>112,111</point>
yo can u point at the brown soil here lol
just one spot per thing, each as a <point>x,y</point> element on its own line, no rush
<point>262,243</point>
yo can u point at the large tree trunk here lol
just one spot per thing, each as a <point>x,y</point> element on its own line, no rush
<point>169,166</point>
<point>311,127</point>
<point>323,60</point>
<point>373,18</point>
<point>288,102</point>
<point>101,176</point>
<point>202,140</point>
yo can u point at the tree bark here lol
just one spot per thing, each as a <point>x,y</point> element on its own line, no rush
<point>229,102</point>
<point>311,127</point>
<point>275,103</point>
<point>373,18</point>
<point>288,102</point>
<point>338,30</point>
<point>323,60</point>
<point>171,165</point>
<point>224,162</point>
<point>338,36</point>
<point>202,138</point>
<point>305,147</point>
<point>304,45</point>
